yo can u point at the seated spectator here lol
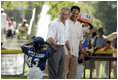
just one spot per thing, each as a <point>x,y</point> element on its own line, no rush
<point>22,30</point>
<point>9,31</point>
<point>13,23</point>
<point>108,45</point>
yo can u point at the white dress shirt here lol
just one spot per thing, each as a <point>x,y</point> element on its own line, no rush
<point>4,22</point>
<point>76,35</point>
<point>58,31</point>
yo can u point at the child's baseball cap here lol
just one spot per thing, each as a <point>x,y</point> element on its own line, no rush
<point>38,40</point>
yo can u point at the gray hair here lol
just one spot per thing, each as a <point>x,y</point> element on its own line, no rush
<point>65,8</point>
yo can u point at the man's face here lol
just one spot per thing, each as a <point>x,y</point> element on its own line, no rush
<point>74,14</point>
<point>11,19</point>
<point>101,32</point>
<point>64,15</point>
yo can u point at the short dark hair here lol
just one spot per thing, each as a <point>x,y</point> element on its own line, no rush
<point>75,7</point>
<point>100,29</point>
<point>94,34</point>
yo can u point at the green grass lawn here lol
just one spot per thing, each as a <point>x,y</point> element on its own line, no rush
<point>18,77</point>
<point>46,77</point>
<point>14,77</point>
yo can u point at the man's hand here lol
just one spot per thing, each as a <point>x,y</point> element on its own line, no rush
<point>51,41</point>
<point>82,57</point>
<point>52,46</point>
<point>69,55</point>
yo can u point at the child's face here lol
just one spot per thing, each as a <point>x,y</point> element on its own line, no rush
<point>36,46</point>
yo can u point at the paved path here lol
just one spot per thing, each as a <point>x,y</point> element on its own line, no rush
<point>13,43</point>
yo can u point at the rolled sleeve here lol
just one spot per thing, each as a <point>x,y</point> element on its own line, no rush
<point>51,31</point>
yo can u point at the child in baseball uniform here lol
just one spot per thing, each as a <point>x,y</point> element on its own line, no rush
<point>37,57</point>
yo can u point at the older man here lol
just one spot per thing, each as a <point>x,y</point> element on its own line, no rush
<point>58,35</point>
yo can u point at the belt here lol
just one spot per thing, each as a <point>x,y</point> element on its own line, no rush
<point>60,45</point>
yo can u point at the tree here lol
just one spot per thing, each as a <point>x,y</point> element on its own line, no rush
<point>56,6</point>
<point>16,9</point>
<point>85,6</point>
<point>106,12</point>
<point>103,13</point>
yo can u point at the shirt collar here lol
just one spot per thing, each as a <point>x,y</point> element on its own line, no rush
<point>58,19</point>
<point>72,21</point>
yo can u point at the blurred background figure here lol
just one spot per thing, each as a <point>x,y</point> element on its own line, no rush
<point>98,43</point>
<point>9,31</point>
<point>100,40</point>
<point>13,23</point>
<point>94,34</point>
<point>4,24</point>
<point>114,45</point>
<point>22,30</point>
<point>108,45</point>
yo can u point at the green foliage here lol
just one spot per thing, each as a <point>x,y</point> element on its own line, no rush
<point>14,77</point>
<point>18,77</point>
<point>88,7</point>
<point>16,9</point>
<point>103,13</point>
<point>14,4</point>
<point>107,13</point>
<point>56,6</point>
<point>85,6</point>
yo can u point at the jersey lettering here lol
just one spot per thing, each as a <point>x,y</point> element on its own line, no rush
<point>29,62</point>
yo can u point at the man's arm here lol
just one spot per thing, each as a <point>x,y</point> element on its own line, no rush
<point>68,48</point>
<point>67,45</point>
<point>80,47</point>
<point>81,50</point>
<point>54,49</point>
<point>25,48</point>
<point>51,40</point>
<point>94,42</point>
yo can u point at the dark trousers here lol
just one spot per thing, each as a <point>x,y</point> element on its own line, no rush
<point>9,33</point>
<point>56,64</point>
